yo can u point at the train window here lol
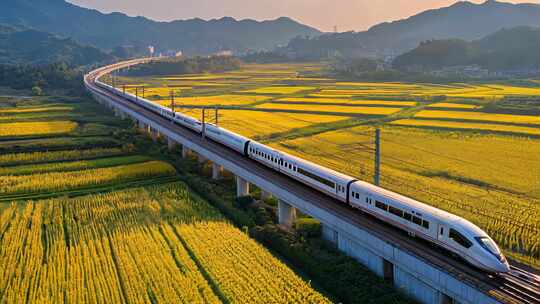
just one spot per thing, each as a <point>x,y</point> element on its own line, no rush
<point>407,216</point>
<point>459,238</point>
<point>367,200</point>
<point>357,196</point>
<point>417,220</point>
<point>382,206</point>
<point>442,231</point>
<point>395,211</point>
<point>425,224</point>
<point>316,177</point>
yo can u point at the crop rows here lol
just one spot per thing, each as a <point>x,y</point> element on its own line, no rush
<point>57,181</point>
<point>36,128</point>
<point>453,125</point>
<point>52,156</point>
<point>137,246</point>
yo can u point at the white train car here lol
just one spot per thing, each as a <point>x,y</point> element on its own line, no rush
<point>188,122</point>
<point>264,155</point>
<point>328,181</point>
<point>230,139</point>
<point>434,225</point>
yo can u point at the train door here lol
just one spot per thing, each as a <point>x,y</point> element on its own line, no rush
<point>442,232</point>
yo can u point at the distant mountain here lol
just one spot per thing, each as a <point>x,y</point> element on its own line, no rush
<point>507,49</point>
<point>463,20</point>
<point>108,31</point>
<point>24,46</point>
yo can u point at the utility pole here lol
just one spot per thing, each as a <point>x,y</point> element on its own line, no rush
<point>136,93</point>
<point>124,88</point>
<point>216,115</point>
<point>143,92</point>
<point>203,123</point>
<point>172,100</point>
<point>377,175</point>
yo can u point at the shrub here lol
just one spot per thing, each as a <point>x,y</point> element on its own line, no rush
<point>244,201</point>
<point>308,227</point>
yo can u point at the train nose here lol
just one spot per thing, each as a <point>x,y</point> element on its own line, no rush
<point>502,266</point>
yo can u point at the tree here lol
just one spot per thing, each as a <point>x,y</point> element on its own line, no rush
<point>37,91</point>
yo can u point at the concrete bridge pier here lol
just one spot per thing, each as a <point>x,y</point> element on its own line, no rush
<point>143,127</point>
<point>201,159</point>
<point>185,151</point>
<point>171,144</point>
<point>330,234</point>
<point>154,134</point>
<point>265,195</point>
<point>286,214</point>
<point>242,187</point>
<point>216,171</point>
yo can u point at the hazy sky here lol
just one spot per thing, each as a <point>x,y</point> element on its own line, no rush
<point>322,14</point>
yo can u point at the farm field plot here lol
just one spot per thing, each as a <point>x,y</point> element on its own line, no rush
<point>223,100</point>
<point>452,105</point>
<point>456,125</point>
<point>280,90</point>
<point>73,165</point>
<point>255,124</point>
<point>36,128</point>
<point>331,109</point>
<point>157,243</point>
<point>57,181</point>
<point>349,101</point>
<point>52,156</point>
<point>479,116</point>
<point>38,109</point>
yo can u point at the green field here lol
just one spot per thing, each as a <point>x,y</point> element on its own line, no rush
<point>469,148</point>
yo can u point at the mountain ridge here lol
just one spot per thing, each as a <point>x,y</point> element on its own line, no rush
<point>507,49</point>
<point>21,46</point>
<point>107,31</point>
<point>462,20</point>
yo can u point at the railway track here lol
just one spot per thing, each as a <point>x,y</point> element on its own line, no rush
<point>517,286</point>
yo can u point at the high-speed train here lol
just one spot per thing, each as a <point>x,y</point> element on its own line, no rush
<point>444,229</point>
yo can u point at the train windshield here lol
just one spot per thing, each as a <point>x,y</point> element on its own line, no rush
<point>490,246</point>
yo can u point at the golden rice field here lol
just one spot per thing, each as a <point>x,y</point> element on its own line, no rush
<point>220,100</point>
<point>256,124</point>
<point>51,156</point>
<point>331,109</point>
<point>452,105</point>
<point>453,125</point>
<point>280,90</point>
<point>35,109</point>
<point>58,181</point>
<point>479,116</point>
<point>36,128</point>
<point>143,245</point>
<point>77,165</point>
<point>349,101</point>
